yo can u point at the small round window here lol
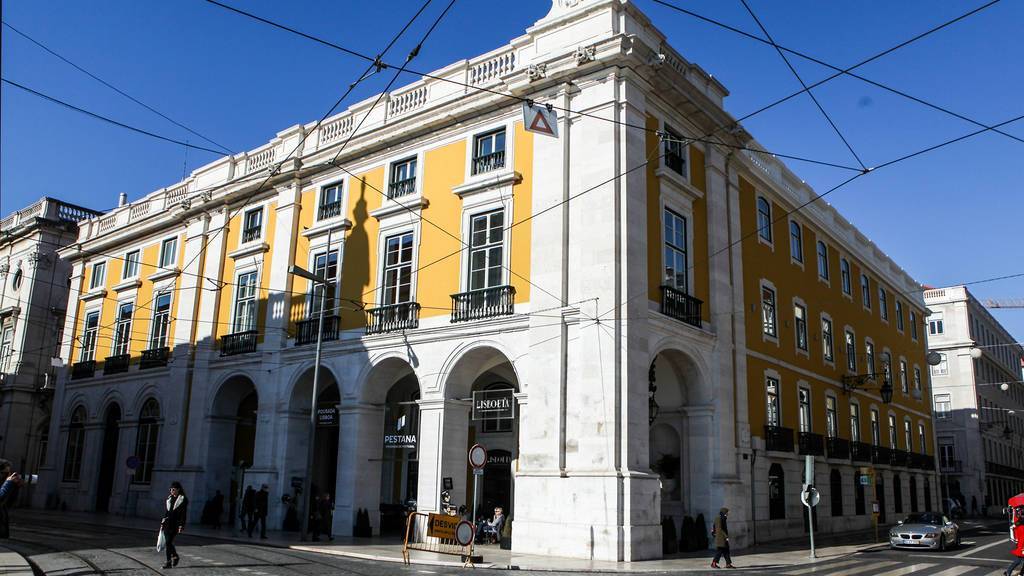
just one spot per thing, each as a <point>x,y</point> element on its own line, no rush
<point>16,282</point>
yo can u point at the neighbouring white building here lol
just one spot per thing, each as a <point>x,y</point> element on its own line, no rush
<point>978,395</point>
<point>609,284</point>
<point>33,295</point>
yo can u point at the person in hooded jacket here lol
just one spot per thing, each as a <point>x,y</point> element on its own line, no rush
<point>173,523</point>
<point>721,534</point>
<point>1018,533</point>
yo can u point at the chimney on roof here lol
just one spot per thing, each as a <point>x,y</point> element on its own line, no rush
<point>122,199</point>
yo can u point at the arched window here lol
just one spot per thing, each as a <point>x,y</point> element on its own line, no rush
<point>76,445</point>
<point>913,494</point>
<point>897,493</point>
<point>822,260</point>
<point>764,219</point>
<point>776,492</point>
<point>145,442</point>
<point>796,242</point>
<point>836,490</point>
<point>927,494</point>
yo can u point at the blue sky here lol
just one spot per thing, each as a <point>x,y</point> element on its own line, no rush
<point>950,216</point>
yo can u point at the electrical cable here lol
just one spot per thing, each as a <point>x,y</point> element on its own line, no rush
<point>115,88</point>
<point>106,119</point>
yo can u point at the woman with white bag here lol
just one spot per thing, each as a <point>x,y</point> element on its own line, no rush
<point>173,523</point>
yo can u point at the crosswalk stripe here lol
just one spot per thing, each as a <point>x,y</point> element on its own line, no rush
<point>869,567</point>
<point>818,568</point>
<point>901,571</point>
<point>955,570</point>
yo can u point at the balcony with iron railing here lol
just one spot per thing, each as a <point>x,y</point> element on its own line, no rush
<point>488,162</point>
<point>675,161</point>
<point>838,448</point>
<point>393,318</point>
<point>116,364</point>
<point>811,444</point>
<point>926,462</point>
<point>238,343</point>
<point>306,330</point>
<point>860,451</point>
<point>250,234</point>
<point>154,358</point>
<point>486,303</point>
<point>881,455</point>
<point>899,458</point>
<point>329,210</point>
<point>778,438</point>
<point>401,188</point>
<point>681,306</point>
<point>950,465</point>
<point>84,369</point>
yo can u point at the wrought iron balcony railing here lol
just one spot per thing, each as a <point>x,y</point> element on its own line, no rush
<point>306,330</point>
<point>680,305</point>
<point>329,210</point>
<point>486,303</point>
<point>899,458</point>
<point>154,358</point>
<point>394,317</point>
<point>778,438</point>
<point>238,343</point>
<point>402,187</point>
<point>84,369</point>
<point>947,465</point>
<point>838,448</point>
<point>812,444</point>
<point>881,455</point>
<point>250,234</point>
<point>675,162</point>
<point>860,451</point>
<point>116,364</point>
<point>489,162</point>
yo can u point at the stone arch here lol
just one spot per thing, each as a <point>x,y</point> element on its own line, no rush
<point>471,360</point>
<point>142,395</point>
<point>298,377</point>
<point>110,397</point>
<point>78,400</point>
<point>231,432</point>
<point>221,382</point>
<point>690,368</point>
<point>387,368</point>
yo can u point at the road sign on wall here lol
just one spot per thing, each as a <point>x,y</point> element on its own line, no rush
<point>539,119</point>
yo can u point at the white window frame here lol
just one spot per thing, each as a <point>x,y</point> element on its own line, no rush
<point>799,261</point>
<point>490,132</point>
<point>848,331</point>
<point>855,421</point>
<point>154,322</point>
<point>245,222</point>
<point>918,384</point>
<point>913,325</point>
<point>870,357</point>
<point>759,228</point>
<point>900,321</point>
<point>831,416</point>
<point>320,249</point>
<point>773,337</point>
<point>865,291</point>
<point>677,136</point>
<point>102,277</point>
<point>904,376</point>
<point>845,277</point>
<point>823,264</point>
<point>894,431</point>
<point>137,262</point>
<point>687,224</point>
<point>87,352</point>
<point>320,194</point>
<point>417,185</point>
<point>382,301</point>
<point>162,261</point>
<point>805,416</point>
<point>942,368</point>
<point>479,203</point>
<point>936,324</point>
<point>470,140</point>
<point>772,376</point>
<point>828,351</point>
<point>235,325</point>
<point>883,303</point>
<point>908,433</point>
<point>118,347</point>
<point>6,346</point>
<point>805,350</point>
<point>922,437</point>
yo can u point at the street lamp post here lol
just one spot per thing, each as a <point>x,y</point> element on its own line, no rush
<point>311,452</point>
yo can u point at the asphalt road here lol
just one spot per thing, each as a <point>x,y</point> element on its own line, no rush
<point>79,549</point>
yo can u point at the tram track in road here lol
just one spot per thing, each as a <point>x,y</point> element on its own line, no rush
<point>41,570</point>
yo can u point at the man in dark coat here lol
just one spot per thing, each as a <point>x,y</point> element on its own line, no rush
<point>323,517</point>
<point>721,534</point>
<point>173,523</point>
<point>248,506</point>
<point>261,504</point>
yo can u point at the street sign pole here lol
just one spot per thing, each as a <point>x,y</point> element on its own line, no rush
<point>809,502</point>
<point>477,459</point>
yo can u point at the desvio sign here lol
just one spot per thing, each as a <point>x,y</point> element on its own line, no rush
<point>442,526</point>
<point>493,405</point>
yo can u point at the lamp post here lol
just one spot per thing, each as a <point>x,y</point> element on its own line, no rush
<point>310,453</point>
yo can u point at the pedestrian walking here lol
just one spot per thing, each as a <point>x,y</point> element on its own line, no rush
<point>248,507</point>
<point>8,493</point>
<point>721,534</point>
<point>173,522</point>
<point>217,509</point>
<point>261,503</point>
<point>323,517</point>
<point>1018,535</point>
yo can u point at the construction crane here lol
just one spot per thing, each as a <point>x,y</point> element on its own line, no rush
<point>1004,303</point>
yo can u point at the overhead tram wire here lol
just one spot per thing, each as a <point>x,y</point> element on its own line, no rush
<point>116,89</point>
<point>519,99</point>
<point>271,173</point>
<point>817,197</point>
<point>849,70</point>
<point>813,98</point>
<point>106,119</point>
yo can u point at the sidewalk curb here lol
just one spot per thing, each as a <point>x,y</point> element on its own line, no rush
<point>13,563</point>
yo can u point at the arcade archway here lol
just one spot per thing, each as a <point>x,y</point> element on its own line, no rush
<point>325,451</point>
<point>232,438</point>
